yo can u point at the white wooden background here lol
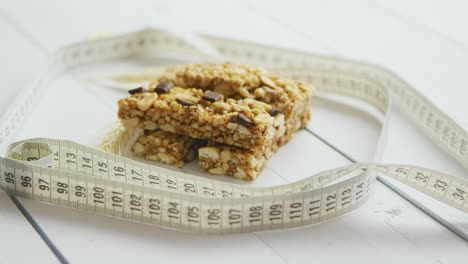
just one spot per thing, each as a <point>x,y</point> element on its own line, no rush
<point>426,42</point>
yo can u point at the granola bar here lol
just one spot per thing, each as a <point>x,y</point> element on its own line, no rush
<point>241,81</point>
<point>165,147</point>
<point>244,114</point>
<point>215,158</point>
<point>244,123</point>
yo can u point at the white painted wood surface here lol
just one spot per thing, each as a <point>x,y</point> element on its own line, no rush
<point>387,229</point>
<point>19,242</point>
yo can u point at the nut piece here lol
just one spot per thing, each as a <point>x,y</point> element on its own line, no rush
<point>148,125</point>
<point>146,101</point>
<point>130,123</point>
<point>259,92</point>
<point>267,81</point>
<point>232,126</point>
<point>239,174</point>
<point>168,128</point>
<point>244,131</point>
<point>264,118</point>
<point>138,148</point>
<point>209,152</point>
<point>244,92</point>
<point>218,171</point>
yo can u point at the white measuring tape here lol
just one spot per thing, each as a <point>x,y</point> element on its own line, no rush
<point>71,175</point>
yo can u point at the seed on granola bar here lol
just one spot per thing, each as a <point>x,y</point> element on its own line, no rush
<point>211,96</point>
<point>184,103</point>
<point>136,90</point>
<point>242,120</point>
<point>275,112</point>
<point>163,87</point>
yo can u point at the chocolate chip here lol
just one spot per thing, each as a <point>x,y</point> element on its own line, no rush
<point>163,87</point>
<point>275,112</point>
<point>242,120</point>
<point>211,96</point>
<point>233,119</point>
<point>184,103</point>
<point>136,90</point>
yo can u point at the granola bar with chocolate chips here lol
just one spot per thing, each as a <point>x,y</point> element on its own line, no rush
<point>244,113</point>
<point>214,158</point>
<point>244,123</point>
<point>241,81</point>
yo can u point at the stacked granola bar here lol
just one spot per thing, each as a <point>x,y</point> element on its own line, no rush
<point>234,116</point>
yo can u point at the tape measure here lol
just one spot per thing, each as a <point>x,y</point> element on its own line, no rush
<point>67,174</point>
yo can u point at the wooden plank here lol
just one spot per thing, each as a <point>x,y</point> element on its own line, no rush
<point>385,230</point>
<point>445,19</point>
<point>16,74</point>
<point>20,243</point>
